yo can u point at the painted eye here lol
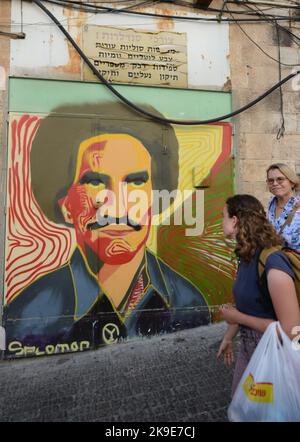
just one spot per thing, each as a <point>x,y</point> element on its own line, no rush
<point>95,182</point>
<point>138,182</point>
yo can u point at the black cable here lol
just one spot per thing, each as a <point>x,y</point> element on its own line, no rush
<point>142,111</point>
<point>260,13</point>
<point>259,47</point>
<point>109,1</point>
<point>91,4</point>
<point>222,10</point>
<point>286,6</point>
<point>175,2</point>
<point>100,9</point>
<point>22,17</point>
<point>172,16</point>
<point>210,9</point>
<point>92,8</point>
<point>294,36</point>
<point>281,130</point>
<point>95,9</point>
<point>135,5</point>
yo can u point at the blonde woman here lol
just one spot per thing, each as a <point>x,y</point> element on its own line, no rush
<point>244,220</point>
<point>284,207</point>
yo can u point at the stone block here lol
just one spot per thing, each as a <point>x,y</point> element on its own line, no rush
<point>5,14</point>
<point>257,189</point>
<point>293,84</point>
<point>260,33</point>
<point>285,39</point>
<point>291,124</point>
<point>235,44</point>
<point>290,55</point>
<point>255,146</point>
<point>254,54</point>
<point>290,102</point>
<point>242,124</point>
<point>265,122</point>
<point>287,148</point>
<point>260,78</point>
<point>238,72</point>
<point>241,97</point>
<point>253,169</point>
<point>271,103</point>
<point>246,187</point>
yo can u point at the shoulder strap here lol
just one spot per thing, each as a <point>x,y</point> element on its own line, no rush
<point>263,256</point>
<point>290,217</point>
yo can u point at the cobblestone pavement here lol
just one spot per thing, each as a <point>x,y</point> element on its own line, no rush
<point>168,378</point>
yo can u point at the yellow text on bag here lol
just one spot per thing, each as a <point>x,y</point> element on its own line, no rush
<point>260,392</point>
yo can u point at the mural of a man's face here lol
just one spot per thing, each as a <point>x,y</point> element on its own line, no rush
<point>100,203</point>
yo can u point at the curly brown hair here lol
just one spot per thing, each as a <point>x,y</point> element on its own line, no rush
<point>254,230</point>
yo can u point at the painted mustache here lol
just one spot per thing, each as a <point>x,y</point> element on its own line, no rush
<point>103,221</point>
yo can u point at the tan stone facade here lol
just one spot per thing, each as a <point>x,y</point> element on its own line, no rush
<point>252,73</point>
<point>4,72</point>
<point>246,71</point>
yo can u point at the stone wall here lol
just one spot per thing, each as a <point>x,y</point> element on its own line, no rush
<point>252,73</point>
<point>4,72</point>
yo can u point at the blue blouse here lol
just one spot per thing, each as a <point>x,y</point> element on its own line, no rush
<point>291,233</point>
<point>246,288</point>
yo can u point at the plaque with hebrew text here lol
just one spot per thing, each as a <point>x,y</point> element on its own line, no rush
<point>133,56</point>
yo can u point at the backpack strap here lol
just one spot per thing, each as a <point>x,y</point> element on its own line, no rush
<point>265,297</point>
<point>290,217</point>
<point>263,256</point>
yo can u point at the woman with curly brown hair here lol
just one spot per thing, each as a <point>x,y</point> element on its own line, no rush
<point>244,220</point>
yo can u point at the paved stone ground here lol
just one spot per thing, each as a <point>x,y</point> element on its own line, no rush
<point>169,378</point>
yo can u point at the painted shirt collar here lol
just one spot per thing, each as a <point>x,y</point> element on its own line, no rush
<point>87,289</point>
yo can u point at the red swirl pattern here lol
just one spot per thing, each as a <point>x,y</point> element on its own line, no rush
<point>34,245</point>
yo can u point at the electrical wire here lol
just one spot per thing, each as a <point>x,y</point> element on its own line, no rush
<point>92,8</point>
<point>22,17</point>
<point>210,9</point>
<point>173,2</point>
<point>136,5</point>
<point>109,1</point>
<point>14,35</point>
<point>80,5</point>
<point>260,13</point>
<point>102,9</point>
<point>281,130</point>
<point>139,4</point>
<point>260,48</point>
<point>169,16</point>
<point>294,36</point>
<point>276,5</point>
<point>222,10</point>
<point>139,109</point>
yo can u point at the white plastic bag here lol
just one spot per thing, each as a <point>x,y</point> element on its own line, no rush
<point>269,390</point>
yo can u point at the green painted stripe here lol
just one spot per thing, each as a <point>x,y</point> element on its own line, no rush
<point>41,96</point>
